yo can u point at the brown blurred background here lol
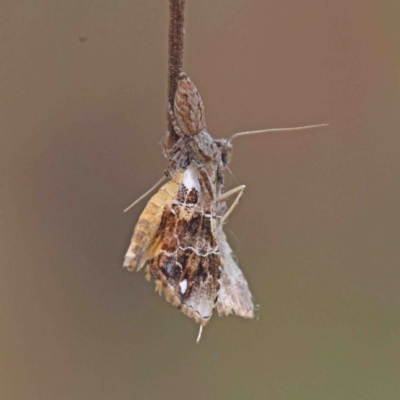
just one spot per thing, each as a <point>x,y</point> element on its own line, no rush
<point>83,104</point>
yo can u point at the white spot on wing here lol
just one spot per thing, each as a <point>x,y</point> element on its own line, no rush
<point>183,286</point>
<point>190,179</point>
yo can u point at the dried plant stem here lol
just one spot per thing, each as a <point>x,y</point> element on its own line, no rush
<point>175,55</point>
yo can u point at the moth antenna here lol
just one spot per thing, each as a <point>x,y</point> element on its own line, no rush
<point>199,335</point>
<point>145,194</point>
<point>297,128</point>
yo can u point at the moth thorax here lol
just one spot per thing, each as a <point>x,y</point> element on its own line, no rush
<point>189,108</point>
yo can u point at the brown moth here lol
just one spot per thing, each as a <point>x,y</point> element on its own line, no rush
<point>179,238</point>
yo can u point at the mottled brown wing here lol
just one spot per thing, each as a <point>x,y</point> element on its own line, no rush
<point>234,295</point>
<point>186,265</point>
<point>179,248</point>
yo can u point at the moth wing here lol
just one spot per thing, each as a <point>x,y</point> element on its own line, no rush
<point>192,287</point>
<point>234,295</point>
<point>186,264</point>
<point>146,237</point>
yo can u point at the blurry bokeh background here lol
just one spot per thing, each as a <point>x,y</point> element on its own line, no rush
<point>83,104</point>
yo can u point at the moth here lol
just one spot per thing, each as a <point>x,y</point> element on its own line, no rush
<point>179,239</point>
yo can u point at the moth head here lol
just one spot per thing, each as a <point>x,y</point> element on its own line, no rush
<point>225,148</point>
<point>188,107</point>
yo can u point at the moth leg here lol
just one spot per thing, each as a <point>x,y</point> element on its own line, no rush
<point>145,194</point>
<point>199,335</point>
<point>173,121</point>
<point>227,194</point>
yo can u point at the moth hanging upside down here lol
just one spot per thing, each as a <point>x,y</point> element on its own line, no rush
<point>179,238</point>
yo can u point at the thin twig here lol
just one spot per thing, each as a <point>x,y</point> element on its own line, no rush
<point>175,56</point>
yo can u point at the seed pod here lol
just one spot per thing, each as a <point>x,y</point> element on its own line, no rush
<point>189,108</point>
